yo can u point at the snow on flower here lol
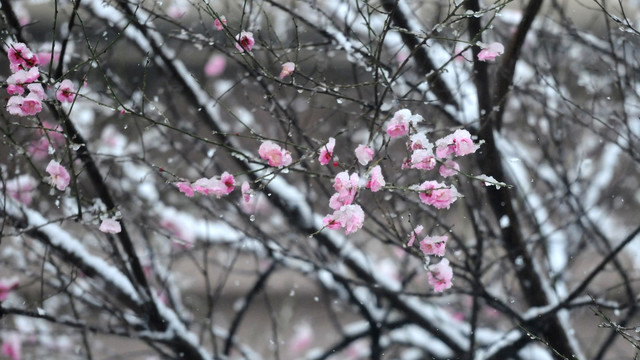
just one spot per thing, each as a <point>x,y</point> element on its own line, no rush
<point>491,51</point>
<point>110,226</point>
<point>185,188</point>
<point>377,180</point>
<point>287,69</point>
<point>247,192</point>
<point>218,187</point>
<point>245,41</point>
<point>423,159</point>
<point>458,143</point>
<point>37,90</point>
<point>215,65</point>
<point>326,152</point>
<point>21,189</point>
<point>449,168</point>
<point>346,187</point>
<point>274,154</point>
<point>349,217</point>
<point>220,23</point>
<point>364,154</point>
<point>21,57</point>
<point>399,123</point>
<point>434,245</point>
<point>12,346</point>
<point>414,233</point>
<point>437,194</point>
<point>7,286</point>
<point>22,77</point>
<point>66,91</point>
<point>419,141</point>
<point>59,177</point>
<point>440,275</point>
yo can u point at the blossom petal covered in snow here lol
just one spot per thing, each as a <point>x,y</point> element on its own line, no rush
<point>350,217</point>
<point>110,226</point>
<point>434,245</point>
<point>377,180</point>
<point>458,143</point>
<point>491,52</point>
<point>287,69</point>
<point>437,194</point>
<point>275,154</point>
<point>364,154</point>
<point>66,91</point>
<point>59,177</point>
<point>440,275</point>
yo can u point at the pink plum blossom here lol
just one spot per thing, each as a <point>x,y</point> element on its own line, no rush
<point>185,188</point>
<point>439,275</point>
<point>21,188</point>
<point>419,141</point>
<point>491,51</point>
<point>326,152</point>
<point>346,187</point>
<point>349,217</point>
<point>434,245</point>
<point>301,340</point>
<point>12,346</point>
<point>7,286</point>
<point>377,180</point>
<point>37,90</point>
<point>245,41</point>
<point>14,89</point>
<point>21,57</point>
<point>31,104</point>
<point>247,192</point>
<point>44,57</point>
<point>438,194</point>
<point>423,159</point>
<point>399,123</point>
<point>219,23</point>
<point>215,65</point>
<point>458,143</point>
<point>66,91</point>
<point>59,175</point>
<point>449,168</point>
<point>39,149</point>
<point>218,187</point>
<point>22,77</point>
<point>275,154</point>
<point>287,69</point>
<point>414,233</point>
<point>110,226</point>
<point>364,154</point>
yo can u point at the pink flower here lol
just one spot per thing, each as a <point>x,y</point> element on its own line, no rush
<point>287,69</point>
<point>419,141</point>
<point>20,57</point>
<point>66,91</point>
<point>185,188</point>
<point>438,194</point>
<point>302,339</point>
<point>490,52</point>
<point>399,123</point>
<point>347,187</point>
<point>110,226</point>
<point>330,222</point>
<point>228,181</point>
<point>31,105</point>
<point>7,286</point>
<point>449,168</point>
<point>12,346</point>
<point>350,217</point>
<point>21,188</point>
<point>423,159</point>
<point>439,275</point>
<point>364,154</point>
<point>219,24</point>
<point>215,186</point>
<point>178,9</point>
<point>247,192</point>
<point>245,41</point>
<point>22,77</point>
<point>275,154</point>
<point>215,65</point>
<point>434,245</point>
<point>37,90</point>
<point>414,233</point>
<point>39,149</point>
<point>13,89</point>
<point>326,152</point>
<point>377,180</point>
<point>44,57</point>
<point>14,105</point>
<point>458,143</point>
<point>59,175</point>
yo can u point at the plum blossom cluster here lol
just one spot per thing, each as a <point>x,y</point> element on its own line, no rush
<point>276,156</point>
<point>440,274</point>
<point>24,66</point>
<point>218,186</point>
